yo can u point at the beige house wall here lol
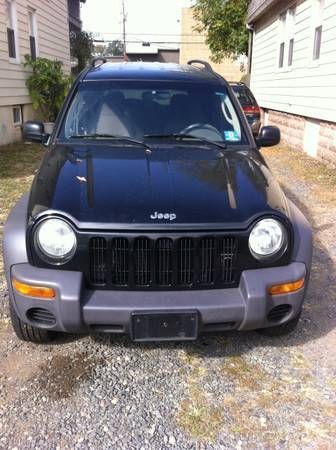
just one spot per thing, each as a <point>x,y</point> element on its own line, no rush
<point>194,47</point>
<point>52,29</point>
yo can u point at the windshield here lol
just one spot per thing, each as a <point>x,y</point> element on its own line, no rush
<point>141,109</point>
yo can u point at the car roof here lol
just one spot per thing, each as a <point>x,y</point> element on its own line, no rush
<point>151,71</point>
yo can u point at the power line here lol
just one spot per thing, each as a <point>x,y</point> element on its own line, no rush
<point>149,34</point>
<point>103,41</point>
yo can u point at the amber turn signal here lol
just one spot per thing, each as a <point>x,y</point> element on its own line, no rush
<point>286,288</point>
<point>34,291</point>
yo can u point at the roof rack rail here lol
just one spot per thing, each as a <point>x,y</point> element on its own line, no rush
<point>97,59</point>
<point>205,64</point>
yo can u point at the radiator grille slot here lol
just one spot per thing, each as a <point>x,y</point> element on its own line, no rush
<point>142,261</point>
<point>164,267</point>
<point>120,261</point>
<point>227,252</point>
<point>207,261</point>
<point>98,254</point>
<point>163,262</point>
<point>186,260</point>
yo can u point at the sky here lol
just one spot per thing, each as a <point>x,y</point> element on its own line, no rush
<point>147,20</point>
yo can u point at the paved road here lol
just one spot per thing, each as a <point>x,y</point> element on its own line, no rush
<point>237,390</point>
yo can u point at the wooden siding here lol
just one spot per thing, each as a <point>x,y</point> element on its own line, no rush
<point>308,88</point>
<point>52,42</point>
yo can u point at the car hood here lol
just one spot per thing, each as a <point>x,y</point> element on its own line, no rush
<point>188,185</point>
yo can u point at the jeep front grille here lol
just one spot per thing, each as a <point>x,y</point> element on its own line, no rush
<point>163,262</point>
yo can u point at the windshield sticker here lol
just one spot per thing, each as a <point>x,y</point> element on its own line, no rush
<point>231,136</point>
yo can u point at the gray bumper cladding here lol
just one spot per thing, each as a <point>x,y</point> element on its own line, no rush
<point>77,310</point>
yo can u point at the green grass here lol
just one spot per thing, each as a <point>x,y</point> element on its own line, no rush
<point>18,163</point>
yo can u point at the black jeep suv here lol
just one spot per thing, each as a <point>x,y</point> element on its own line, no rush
<point>154,214</point>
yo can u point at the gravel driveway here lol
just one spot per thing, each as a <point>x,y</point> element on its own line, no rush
<point>236,390</point>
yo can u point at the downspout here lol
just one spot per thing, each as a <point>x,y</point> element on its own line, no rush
<point>250,51</point>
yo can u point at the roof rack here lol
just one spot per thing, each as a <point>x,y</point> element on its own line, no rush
<point>205,64</point>
<point>100,59</point>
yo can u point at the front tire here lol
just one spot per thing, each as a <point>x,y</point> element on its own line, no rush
<point>282,329</point>
<point>27,332</point>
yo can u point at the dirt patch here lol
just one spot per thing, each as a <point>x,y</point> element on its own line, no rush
<point>256,402</point>
<point>318,177</point>
<point>59,377</point>
<point>17,367</point>
<point>198,415</point>
<point>18,163</point>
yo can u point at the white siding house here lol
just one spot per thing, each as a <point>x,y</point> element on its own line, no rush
<point>37,27</point>
<point>293,70</point>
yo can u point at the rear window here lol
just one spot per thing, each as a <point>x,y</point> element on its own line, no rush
<point>244,95</point>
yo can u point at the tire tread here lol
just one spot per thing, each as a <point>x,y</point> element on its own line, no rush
<point>27,332</point>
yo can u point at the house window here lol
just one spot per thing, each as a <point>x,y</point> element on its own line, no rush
<point>281,36</point>
<point>290,52</point>
<point>17,116</point>
<point>281,54</point>
<point>317,43</point>
<point>317,28</point>
<point>11,29</point>
<point>290,35</point>
<point>286,37</point>
<point>32,32</point>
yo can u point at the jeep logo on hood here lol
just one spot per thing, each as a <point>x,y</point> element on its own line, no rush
<point>163,216</point>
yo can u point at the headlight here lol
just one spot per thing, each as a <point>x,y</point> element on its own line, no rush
<point>267,238</point>
<point>56,239</point>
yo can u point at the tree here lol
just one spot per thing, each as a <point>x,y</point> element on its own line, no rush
<point>81,47</point>
<point>224,22</point>
<point>99,49</point>
<point>114,48</point>
<point>47,86</point>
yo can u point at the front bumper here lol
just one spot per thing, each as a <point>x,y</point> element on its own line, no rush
<point>79,310</point>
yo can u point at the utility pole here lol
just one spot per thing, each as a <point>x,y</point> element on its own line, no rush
<point>124,18</point>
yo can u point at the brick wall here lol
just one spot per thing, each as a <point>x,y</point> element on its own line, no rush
<point>194,47</point>
<point>295,133</point>
<point>327,142</point>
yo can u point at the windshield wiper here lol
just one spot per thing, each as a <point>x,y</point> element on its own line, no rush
<point>110,136</point>
<point>185,136</point>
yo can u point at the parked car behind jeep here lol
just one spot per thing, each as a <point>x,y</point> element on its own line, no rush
<point>154,214</point>
<point>249,105</point>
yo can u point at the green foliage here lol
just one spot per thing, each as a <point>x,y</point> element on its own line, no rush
<point>224,22</point>
<point>114,48</point>
<point>81,47</point>
<point>47,86</point>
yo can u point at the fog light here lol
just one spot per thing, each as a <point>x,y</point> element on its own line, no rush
<point>286,288</point>
<point>34,291</point>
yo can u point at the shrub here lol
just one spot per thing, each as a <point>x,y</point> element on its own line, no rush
<point>47,86</point>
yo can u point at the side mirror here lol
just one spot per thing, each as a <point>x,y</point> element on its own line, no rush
<point>34,132</point>
<point>268,137</point>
